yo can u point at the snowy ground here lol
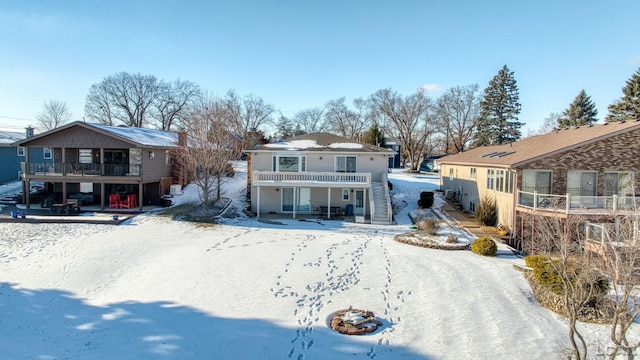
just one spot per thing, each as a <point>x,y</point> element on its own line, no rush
<point>155,288</point>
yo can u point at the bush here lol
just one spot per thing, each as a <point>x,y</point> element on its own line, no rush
<point>430,226</point>
<point>487,211</point>
<point>545,273</point>
<point>484,246</point>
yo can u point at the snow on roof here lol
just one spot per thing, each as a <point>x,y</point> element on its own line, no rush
<point>143,136</point>
<point>294,145</point>
<point>345,146</point>
<point>9,137</point>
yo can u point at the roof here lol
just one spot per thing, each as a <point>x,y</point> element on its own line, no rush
<point>536,147</point>
<point>9,137</point>
<point>320,142</point>
<point>140,136</point>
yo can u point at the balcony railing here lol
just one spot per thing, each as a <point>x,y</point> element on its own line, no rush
<point>574,204</point>
<point>313,179</point>
<point>74,169</point>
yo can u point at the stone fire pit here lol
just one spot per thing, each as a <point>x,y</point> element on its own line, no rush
<point>354,322</point>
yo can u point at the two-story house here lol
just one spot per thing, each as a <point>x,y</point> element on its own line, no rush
<point>588,171</point>
<point>94,161</point>
<point>320,174</point>
<point>11,156</point>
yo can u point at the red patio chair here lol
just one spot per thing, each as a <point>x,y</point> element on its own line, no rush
<point>114,201</point>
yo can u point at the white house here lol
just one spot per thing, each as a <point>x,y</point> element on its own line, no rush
<point>320,174</point>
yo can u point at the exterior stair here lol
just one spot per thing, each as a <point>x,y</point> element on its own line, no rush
<point>381,204</point>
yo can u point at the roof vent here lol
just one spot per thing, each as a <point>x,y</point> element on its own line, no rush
<point>622,121</point>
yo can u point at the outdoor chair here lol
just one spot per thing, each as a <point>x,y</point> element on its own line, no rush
<point>115,201</point>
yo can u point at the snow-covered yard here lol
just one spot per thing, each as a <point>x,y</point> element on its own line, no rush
<point>155,288</point>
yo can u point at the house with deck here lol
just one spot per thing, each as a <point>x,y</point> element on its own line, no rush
<point>320,174</point>
<point>109,166</point>
<point>588,171</point>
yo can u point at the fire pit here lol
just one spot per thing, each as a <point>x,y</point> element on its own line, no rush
<point>354,322</point>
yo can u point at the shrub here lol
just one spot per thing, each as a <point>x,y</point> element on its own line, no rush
<point>452,239</point>
<point>484,246</point>
<point>430,226</point>
<point>487,211</point>
<point>545,273</point>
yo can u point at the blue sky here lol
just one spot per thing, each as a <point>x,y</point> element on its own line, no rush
<point>300,54</point>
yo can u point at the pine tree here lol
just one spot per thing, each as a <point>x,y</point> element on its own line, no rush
<point>374,136</point>
<point>283,127</point>
<point>499,109</point>
<point>628,107</point>
<point>582,111</point>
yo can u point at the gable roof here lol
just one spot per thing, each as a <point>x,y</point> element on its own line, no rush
<point>320,142</point>
<point>134,135</point>
<point>536,147</point>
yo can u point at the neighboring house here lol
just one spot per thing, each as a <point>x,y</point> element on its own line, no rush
<point>394,145</point>
<point>320,174</point>
<point>11,157</point>
<point>92,161</point>
<point>588,171</point>
<point>430,163</point>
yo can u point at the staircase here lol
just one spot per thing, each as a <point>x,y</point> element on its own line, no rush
<point>381,204</point>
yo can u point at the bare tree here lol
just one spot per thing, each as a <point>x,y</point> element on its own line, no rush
<point>122,98</point>
<point>562,244</point>
<point>310,120</point>
<point>408,118</point>
<point>53,115</point>
<point>209,148</point>
<point>172,101</point>
<point>549,124</point>
<point>342,120</point>
<point>248,113</point>
<point>620,250</point>
<point>457,112</point>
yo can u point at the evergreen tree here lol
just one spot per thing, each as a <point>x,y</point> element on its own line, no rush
<point>284,128</point>
<point>498,122</point>
<point>374,136</point>
<point>582,111</point>
<point>628,107</point>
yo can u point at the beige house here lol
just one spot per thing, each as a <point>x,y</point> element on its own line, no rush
<point>93,161</point>
<point>320,174</point>
<point>590,171</point>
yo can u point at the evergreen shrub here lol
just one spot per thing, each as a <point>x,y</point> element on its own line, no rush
<point>484,246</point>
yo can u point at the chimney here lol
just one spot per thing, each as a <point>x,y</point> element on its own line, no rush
<point>29,131</point>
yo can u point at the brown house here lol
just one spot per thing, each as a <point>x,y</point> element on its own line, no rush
<point>588,171</point>
<point>93,161</point>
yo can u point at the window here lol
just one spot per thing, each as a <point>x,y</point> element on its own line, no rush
<point>451,174</point>
<point>500,180</point>
<point>490,179</point>
<point>47,153</point>
<point>346,195</point>
<point>472,173</point>
<point>581,183</point>
<point>167,157</point>
<point>536,181</point>
<point>346,164</point>
<point>618,183</point>
<point>289,163</point>
<point>85,156</point>
<point>20,150</point>
<point>510,184</point>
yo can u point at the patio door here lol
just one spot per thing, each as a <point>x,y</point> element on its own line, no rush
<point>301,197</point>
<point>581,185</point>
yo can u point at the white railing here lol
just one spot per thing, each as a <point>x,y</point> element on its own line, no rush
<point>315,179</point>
<point>577,204</point>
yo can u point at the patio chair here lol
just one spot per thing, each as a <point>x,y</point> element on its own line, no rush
<point>115,201</point>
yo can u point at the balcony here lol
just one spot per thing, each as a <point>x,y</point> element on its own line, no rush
<point>74,169</point>
<point>574,204</point>
<point>311,179</point>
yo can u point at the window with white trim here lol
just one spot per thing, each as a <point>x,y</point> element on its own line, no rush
<point>20,150</point>
<point>472,173</point>
<point>346,194</point>
<point>490,179</point>
<point>47,153</point>
<point>289,163</point>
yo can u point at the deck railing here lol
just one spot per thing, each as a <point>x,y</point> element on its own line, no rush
<point>75,169</point>
<point>574,204</point>
<point>315,179</point>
